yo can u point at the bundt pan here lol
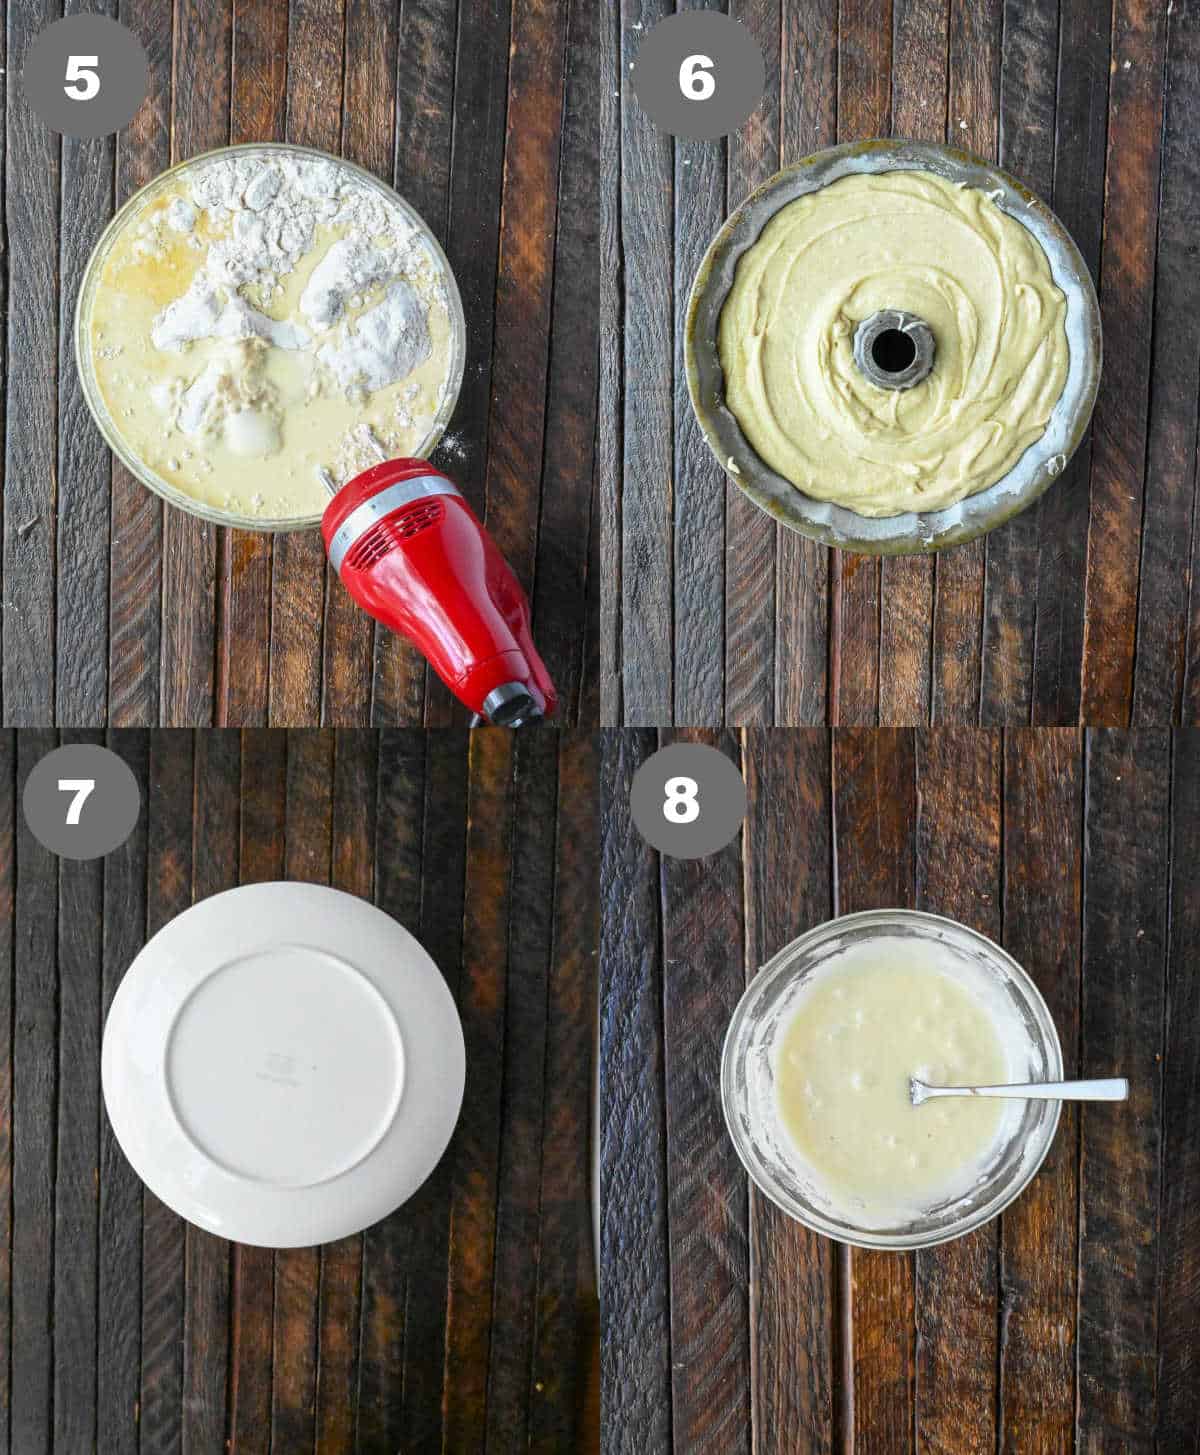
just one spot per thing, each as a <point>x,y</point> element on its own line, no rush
<point>910,533</point>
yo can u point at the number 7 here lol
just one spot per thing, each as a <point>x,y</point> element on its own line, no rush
<point>82,789</point>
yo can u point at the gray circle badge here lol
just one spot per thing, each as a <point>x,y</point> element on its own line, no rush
<point>86,76</point>
<point>699,74</point>
<point>688,800</point>
<point>81,801</point>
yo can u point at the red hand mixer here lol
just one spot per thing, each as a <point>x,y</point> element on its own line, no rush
<point>415,556</point>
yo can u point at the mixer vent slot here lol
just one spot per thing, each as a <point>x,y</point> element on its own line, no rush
<point>388,534</point>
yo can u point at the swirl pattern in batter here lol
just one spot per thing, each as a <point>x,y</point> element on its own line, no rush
<point>915,242</point>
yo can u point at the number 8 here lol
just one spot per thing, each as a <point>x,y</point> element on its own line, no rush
<point>682,803</point>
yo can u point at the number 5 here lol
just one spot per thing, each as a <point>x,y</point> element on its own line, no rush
<point>695,78</point>
<point>87,85</point>
<point>82,789</point>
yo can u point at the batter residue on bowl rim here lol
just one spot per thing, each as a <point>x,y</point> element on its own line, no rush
<point>267,324</point>
<point>914,242</point>
<point>874,1015</point>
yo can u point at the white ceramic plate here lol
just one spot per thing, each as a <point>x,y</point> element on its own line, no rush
<point>283,1064</point>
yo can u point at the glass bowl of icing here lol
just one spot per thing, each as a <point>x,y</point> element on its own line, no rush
<point>262,322</point>
<point>815,1068</point>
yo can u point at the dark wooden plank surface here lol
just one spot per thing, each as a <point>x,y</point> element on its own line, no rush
<point>1067,1324</point>
<point>707,1203</point>
<point>468,1319</point>
<point>796,1375</point>
<point>874,792</point>
<point>1043,824</point>
<point>484,114</point>
<point>1080,610</point>
<point>636,1308</point>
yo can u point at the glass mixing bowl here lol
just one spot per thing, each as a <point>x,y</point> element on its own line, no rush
<point>128,216</point>
<point>748,1093</point>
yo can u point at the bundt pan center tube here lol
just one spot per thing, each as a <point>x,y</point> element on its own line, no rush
<point>901,349</point>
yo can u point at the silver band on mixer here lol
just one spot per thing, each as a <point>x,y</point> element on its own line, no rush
<point>364,516</point>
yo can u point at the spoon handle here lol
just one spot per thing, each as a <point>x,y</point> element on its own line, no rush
<point>1110,1088</point>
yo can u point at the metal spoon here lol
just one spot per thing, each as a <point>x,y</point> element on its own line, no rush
<point>1112,1088</point>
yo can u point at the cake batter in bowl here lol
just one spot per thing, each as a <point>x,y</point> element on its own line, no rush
<point>893,243</point>
<point>261,323</point>
<point>814,1079</point>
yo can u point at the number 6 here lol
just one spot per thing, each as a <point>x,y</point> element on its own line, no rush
<point>87,82</point>
<point>695,78</point>
<point>82,789</point>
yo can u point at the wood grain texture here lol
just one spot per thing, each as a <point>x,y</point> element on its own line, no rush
<point>8,864</point>
<point>511,1391</point>
<point>81,550</point>
<point>955,1289</point>
<point>1043,884</point>
<point>1121,1024</point>
<point>34,993</point>
<point>635,1311</point>
<point>647,546</point>
<point>77,1147</point>
<point>750,536</point>
<point>807,121</point>
<point>875,813</point>
<point>707,1205</point>
<point>1067,1324</point>
<point>1028,70</point>
<point>610,414</point>
<point>465,1320</point>
<point>118,610</point>
<point>482,1004</point>
<point>1080,138</point>
<point>1164,614</point>
<point>1179,1232</point>
<point>702,537</point>
<point>387,1265</point>
<point>32,181</point>
<point>563,1410</point>
<point>1078,611</point>
<point>566,577</point>
<point>1127,262</point>
<point>795,1275</point>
